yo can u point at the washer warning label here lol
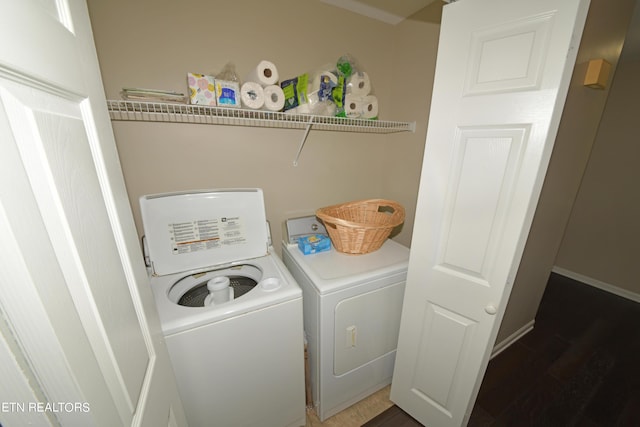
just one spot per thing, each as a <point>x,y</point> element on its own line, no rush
<point>206,234</point>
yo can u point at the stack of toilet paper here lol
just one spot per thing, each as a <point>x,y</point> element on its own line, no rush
<point>311,93</point>
<point>341,89</point>
<point>358,101</point>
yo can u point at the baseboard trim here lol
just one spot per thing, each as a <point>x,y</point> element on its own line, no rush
<point>597,284</point>
<point>505,343</point>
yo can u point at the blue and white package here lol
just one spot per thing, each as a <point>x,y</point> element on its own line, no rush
<point>314,243</point>
<point>227,93</point>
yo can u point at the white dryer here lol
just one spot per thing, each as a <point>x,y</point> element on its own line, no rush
<point>238,362</point>
<point>352,310</point>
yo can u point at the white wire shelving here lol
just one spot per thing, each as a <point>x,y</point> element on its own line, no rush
<point>144,111</point>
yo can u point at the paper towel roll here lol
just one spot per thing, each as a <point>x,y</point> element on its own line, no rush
<point>252,95</point>
<point>265,73</point>
<point>370,107</point>
<point>273,98</point>
<point>353,106</point>
<point>359,84</point>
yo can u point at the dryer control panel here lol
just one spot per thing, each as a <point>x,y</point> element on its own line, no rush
<point>295,228</point>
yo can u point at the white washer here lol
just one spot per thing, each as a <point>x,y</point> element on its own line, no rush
<point>240,362</point>
<point>352,309</point>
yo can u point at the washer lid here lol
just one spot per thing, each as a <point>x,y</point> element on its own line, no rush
<point>192,230</point>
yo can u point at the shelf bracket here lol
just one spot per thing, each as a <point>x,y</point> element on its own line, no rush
<point>304,139</point>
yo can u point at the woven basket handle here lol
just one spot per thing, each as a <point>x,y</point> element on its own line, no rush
<point>387,208</point>
<point>394,209</point>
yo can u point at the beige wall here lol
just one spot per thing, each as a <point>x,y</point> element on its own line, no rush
<point>415,50</point>
<point>603,37</point>
<point>140,44</point>
<point>602,239</point>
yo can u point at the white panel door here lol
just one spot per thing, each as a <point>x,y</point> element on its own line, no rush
<point>75,296</point>
<point>502,74</point>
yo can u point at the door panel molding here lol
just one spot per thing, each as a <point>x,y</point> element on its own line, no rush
<point>528,41</point>
<point>436,371</point>
<point>483,175</point>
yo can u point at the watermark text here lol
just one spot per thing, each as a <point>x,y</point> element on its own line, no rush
<point>54,407</point>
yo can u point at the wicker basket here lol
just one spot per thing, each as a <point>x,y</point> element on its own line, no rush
<point>362,226</point>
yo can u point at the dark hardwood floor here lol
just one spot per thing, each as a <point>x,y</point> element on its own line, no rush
<point>580,366</point>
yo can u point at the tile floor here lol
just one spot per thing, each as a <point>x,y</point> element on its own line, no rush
<point>357,414</point>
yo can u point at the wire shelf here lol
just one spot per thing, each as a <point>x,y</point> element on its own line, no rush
<point>201,114</point>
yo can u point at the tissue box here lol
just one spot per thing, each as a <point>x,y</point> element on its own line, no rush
<point>314,244</point>
<point>201,89</point>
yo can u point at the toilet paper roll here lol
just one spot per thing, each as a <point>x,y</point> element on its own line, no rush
<point>313,97</point>
<point>265,73</point>
<point>370,107</point>
<point>326,77</point>
<point>325,108</point>
<point>300,109</point>
<point>317,106</point>
<point>252,95</point>
<point>359,84</point>
<point>353,106</point>
<point>273,98</point>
